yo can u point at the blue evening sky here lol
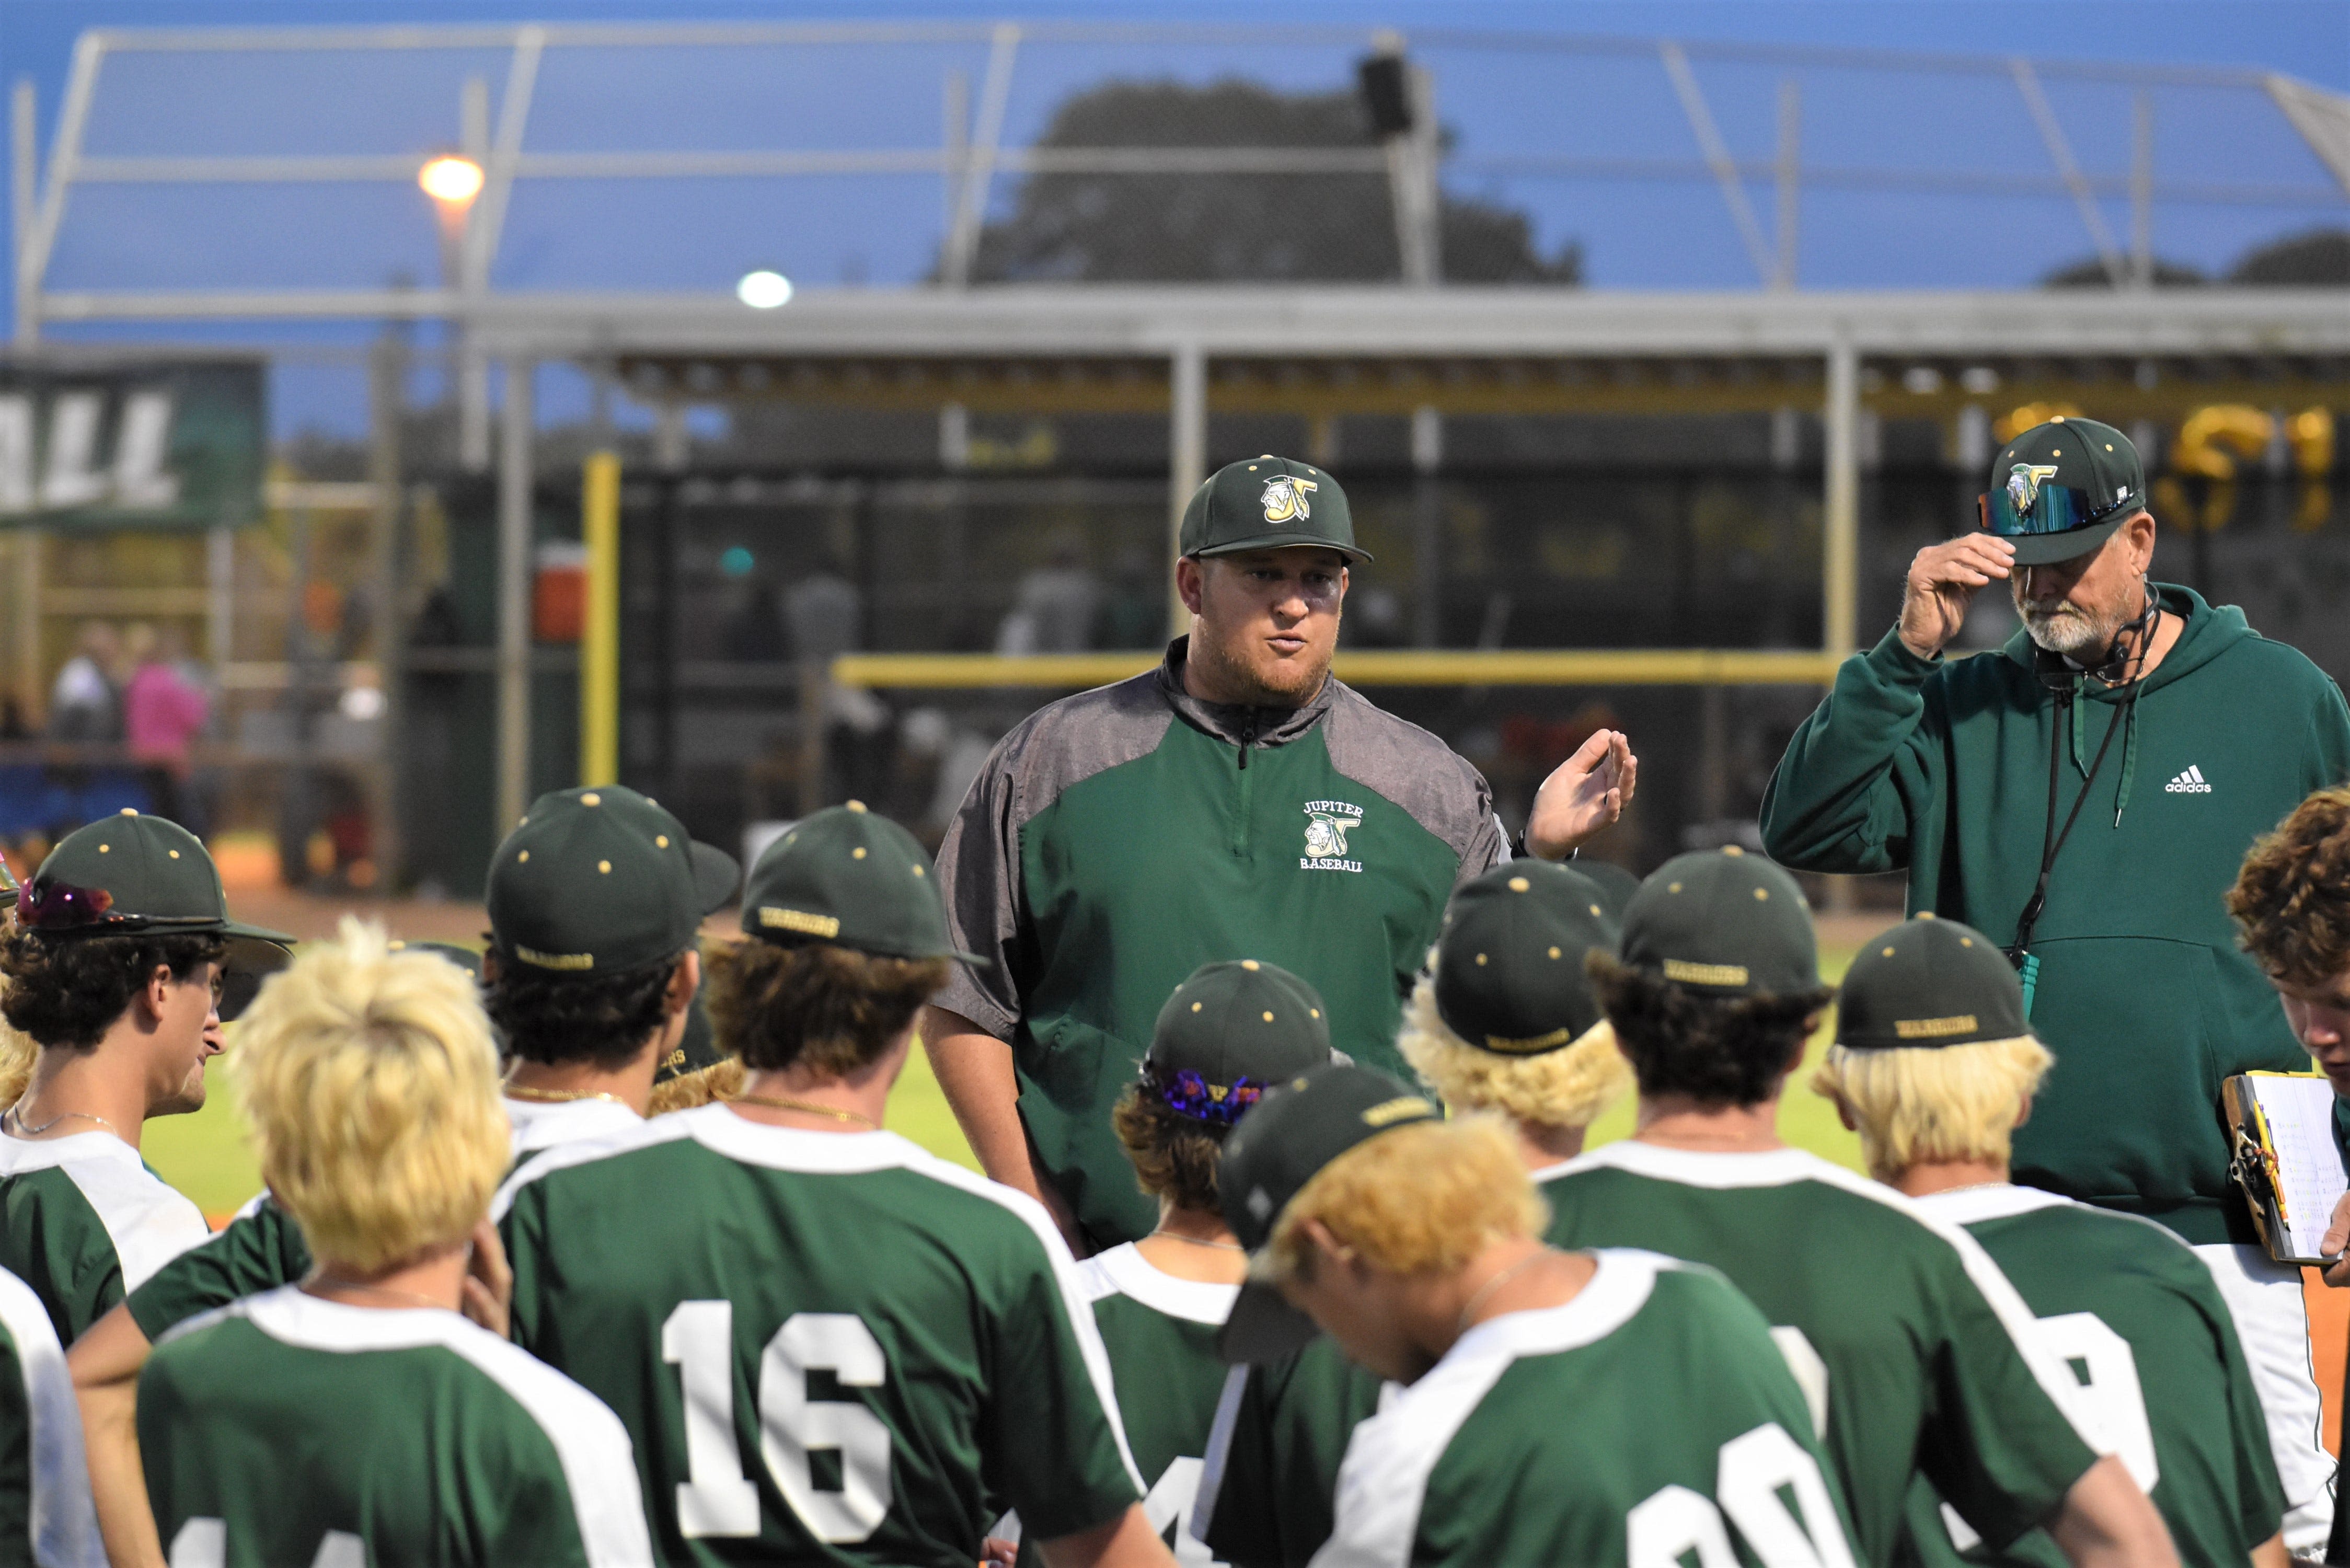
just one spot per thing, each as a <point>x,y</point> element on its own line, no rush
<point>884,230</point>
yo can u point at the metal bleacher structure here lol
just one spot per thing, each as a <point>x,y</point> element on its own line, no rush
<point>1418,347</point>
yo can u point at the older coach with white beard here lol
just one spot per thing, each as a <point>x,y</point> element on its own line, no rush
<point>2083,795</point>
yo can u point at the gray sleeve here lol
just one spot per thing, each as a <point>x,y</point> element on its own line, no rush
<point>979,868</point>
<point>1488,846</point>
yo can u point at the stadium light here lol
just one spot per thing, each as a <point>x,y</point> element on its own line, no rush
<point>765,289</point>
<point>451,180</point>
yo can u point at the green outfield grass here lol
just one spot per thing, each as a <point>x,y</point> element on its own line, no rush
<point>206,1154</point>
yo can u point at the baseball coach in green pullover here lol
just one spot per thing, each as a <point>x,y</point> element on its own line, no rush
<point>1235,803</point>
<point>2083,795</point>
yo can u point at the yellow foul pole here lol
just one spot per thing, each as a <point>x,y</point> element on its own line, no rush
<point>599,639</point>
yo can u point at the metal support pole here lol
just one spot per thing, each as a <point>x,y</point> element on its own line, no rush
<point>2142,189</point>
<point>1187,465</point>
<point>1840,551</point>
<point>220,594</point>
<point>954,145</point>
<point>514,542</point>
<point>24,174</point>
<point>472,367</point>
<point>32,694</point>
<point>599,641</point>
<point>979,162</point>
<point>1428,526</point>
<point>387,406</point>
<point>1791,180</point>
<point>672,448</point>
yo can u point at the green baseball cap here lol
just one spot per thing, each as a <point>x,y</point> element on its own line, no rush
<point>2061,489</point>
<point>849,876</point>
<point>601,881</point>
<point>1722,922</point>
<point>1269,502</point>
<point>1509,967</point>
<point>1230,1031</point>
<point>1927,983</point>
<point>1616,884</point>
<point>134,875</point>
<point>1282,1144</point>
<point>463,957</point>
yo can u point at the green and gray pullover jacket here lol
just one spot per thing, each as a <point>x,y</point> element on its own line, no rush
<point>1940,767</point>
<point>1120,838</point>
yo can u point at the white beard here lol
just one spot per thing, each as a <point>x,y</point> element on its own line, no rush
<point>2066,630</point>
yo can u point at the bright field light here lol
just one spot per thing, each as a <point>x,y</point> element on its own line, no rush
<point>764,290</point>
<point>451,179</point>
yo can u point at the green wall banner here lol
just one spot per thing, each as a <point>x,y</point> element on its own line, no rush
<point>130,444</point>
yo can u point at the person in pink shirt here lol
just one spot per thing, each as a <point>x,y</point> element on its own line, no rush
<point>162,712</point>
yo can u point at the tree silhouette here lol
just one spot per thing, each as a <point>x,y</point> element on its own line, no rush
<point>1236,228</point>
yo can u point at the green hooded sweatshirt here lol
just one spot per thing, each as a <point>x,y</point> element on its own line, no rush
<point>1941,767</point>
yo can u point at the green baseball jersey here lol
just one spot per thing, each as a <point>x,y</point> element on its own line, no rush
<point>1643,1423</point>
<point>82,1220</point>
<point>285,1428</point>
<point>45,1517</point>
<point>1120,838</point>
<point>829,1347</point>
<point>1159,1333</point>
<point>2136,1315</point>
<point>262,1248</point>
<point>1914,1351</point>
<point>1281,1433</point>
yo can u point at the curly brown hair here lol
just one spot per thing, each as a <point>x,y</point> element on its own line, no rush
<point>1719,1051</point>
<point>1175,1157</point>
<point>68,991</point>
<point>831,1009</point>
<point>559,1018</point>
<point>2291,899</point>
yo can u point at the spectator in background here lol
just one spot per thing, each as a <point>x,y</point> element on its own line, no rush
<point>1136,613</point>
<point>85,705</point>
<point>163,712</point>
<point>1056,605</point>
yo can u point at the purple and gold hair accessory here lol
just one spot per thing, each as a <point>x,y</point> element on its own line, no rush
<point>60,906</point>
<point>1187,1094</point>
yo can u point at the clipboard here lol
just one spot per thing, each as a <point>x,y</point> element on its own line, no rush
<point>2284,1157</point>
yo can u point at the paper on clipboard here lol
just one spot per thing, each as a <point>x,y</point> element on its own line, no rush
<point>2296,1124</point>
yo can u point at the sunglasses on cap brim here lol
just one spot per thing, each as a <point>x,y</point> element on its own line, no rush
<point>2053,509</point>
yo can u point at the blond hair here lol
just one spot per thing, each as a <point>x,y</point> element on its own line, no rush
<point>1571,1086</point>
<point>371,1085</point>
<point>1927,1102</point>
<point>721,1080</point>
<point>1424,1199</point>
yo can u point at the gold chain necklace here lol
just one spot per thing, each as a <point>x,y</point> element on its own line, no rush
<point>23,1131</point>
<point>558,1097</point>
<point>1486,1291</point>
<point>780,1102</point>
<point>319,1282</point>
<point>1201,1242</point>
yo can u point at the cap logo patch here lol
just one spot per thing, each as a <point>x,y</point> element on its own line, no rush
<point>1285,499</point>
<point>1688,974</point>
<point>800,920</point>
<point>1404,1107</point>
<point>2023,483</point>
<point>1934,1028</point>
<point>1528,1047</point>
<point>555,961</point>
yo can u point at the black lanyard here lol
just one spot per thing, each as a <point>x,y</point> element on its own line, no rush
<point>2051,842</point>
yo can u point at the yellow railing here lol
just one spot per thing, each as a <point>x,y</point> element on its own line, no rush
<point>1371,667</point>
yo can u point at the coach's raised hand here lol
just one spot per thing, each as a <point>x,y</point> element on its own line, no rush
<point>1583,794</point>
<point>1942,582</point>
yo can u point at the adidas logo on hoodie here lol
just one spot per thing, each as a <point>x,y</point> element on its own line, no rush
<point>2191,782</point>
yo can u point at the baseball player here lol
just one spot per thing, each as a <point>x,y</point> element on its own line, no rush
<point>1506,1021</point>
<point>600,875</point>
<point>1914,1353</point>
<point>827,1345</point>
<point>1236,800</point>
<point>358,1417</point>
<point>1935,1066</point>
<point>45,1517</point>
<point>1600,1408</point>
<point>1228,1034</point>
<point>121,953</point>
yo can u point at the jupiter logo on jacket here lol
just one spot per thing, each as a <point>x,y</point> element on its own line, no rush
<point>1327,822</point>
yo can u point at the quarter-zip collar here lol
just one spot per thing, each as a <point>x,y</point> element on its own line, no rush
<point>1238,723</point>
